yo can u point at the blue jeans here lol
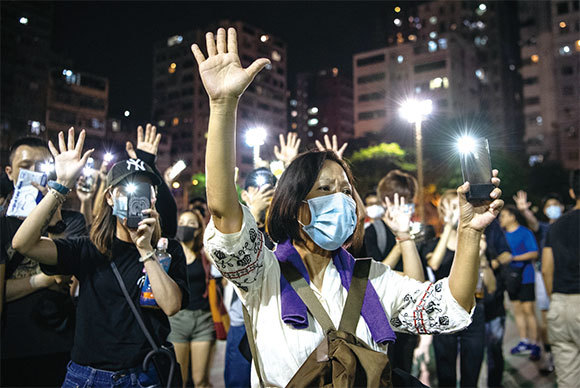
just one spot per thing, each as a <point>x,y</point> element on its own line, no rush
<point>79,376</point>
<point>494,331</point>
<point>237,368</point>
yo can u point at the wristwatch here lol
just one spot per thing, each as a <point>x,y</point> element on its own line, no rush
<point>58,187</point>
<point>57,228</point>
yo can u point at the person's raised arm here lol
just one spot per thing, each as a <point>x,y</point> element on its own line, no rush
<point>435,258</point>
<point>68,163</point>
<point>398,219</point>
<point>224,80</point>
<point>521,200</point>
<point>472,222</point>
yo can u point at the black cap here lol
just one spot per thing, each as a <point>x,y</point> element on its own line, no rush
<point>130,167</point>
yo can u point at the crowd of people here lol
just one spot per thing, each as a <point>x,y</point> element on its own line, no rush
<point>105,283</point>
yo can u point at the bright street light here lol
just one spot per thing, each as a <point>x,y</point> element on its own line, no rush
<point>127,113</point>
<point>416,110</point>
<point>256,137</point>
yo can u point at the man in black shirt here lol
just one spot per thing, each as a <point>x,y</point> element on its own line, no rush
<point>561,271</point>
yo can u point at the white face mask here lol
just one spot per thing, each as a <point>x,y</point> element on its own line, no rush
<point>375,211</point>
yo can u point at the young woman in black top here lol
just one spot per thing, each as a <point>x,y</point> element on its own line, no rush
<point>109,345</point>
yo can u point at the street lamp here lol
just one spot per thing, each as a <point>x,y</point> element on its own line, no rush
<point>415,111</point>
<point>256,137</point>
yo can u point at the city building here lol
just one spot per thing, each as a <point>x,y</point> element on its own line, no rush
<point>77,100</point>
<point>180,103</point>
<point>322,105</point>
<point>26,32</point>
<point>550,52</point>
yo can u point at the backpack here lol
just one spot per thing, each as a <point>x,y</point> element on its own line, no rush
<point>341,359</point>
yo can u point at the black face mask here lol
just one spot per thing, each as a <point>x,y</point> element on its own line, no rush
<point>185,233</point>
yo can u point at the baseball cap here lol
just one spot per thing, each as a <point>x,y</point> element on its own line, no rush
<point>130,167</point>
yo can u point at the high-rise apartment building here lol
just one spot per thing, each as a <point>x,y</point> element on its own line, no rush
<point>180,104</point>
<point>322,105</point>
<point>26,54</point>
<point>550,51</point>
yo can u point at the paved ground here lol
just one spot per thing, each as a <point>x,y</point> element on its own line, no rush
<point>519,371</point>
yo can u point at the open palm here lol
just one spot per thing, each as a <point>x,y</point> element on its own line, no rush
<point>222,73</point>
<point>69,162</point>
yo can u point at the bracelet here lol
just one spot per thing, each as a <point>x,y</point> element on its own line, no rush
<point>147,257</point>
<point>400,240</point>
<point>32,282</point>
<point>61,198</point>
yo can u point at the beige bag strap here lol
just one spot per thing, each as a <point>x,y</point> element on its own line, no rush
<point>305,293</point>
<point>252,343</point>
<point>355,297</point>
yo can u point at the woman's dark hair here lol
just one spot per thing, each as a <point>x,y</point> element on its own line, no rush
<point>516,213</point>
<point>198,240</point>
<point>293,187</point>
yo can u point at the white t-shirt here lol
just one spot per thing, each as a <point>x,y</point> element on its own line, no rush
<point>244,259</point>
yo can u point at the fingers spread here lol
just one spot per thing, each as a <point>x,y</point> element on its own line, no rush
<point>52,149</point>
<point>232,41</point>
<point>257,66</point>
<point>221,41</point>
<point>341,150</point>
<point>210,44</point>
<point>319,145</point>
<point>139,134</point>
<point>327,142</point>
<point>157,140</point>
<point>199,57</point>
<point>61,143</point>
<point>282,141</point>
<point>71,139</point>
<point>80,142</point>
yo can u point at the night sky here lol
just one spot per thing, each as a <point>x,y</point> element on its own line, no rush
<point>115,39</point>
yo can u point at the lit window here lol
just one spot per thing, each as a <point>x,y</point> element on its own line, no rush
<point>23,20</point>
<point>324,129</point>
<point>539,120</point>
<point>400,38</point>
<point>35,127</point>
<point>175,121</point>
<point>480,74</point>
<point>442,43</point>
<point>398,22</point>
<point>294,113</point>
<point>433,20</point>
<point>432,46</point>
<point>535,58</point>
<point>435,83</point>
<point>313,110</point>
<point>310,133</point>
<point>400,59</point>
<point>577,45</point>
<point>293,103</point>
<point>565,50</point>
<point>264,38</point>
<point>116,126</point>
<point>127,113</point>
<point>312,122</point>
<point>173,40</point>
<point>480,25</point>
<point>453,27</point>
<point>481,9</point>
<point>535,159</point>
<point>276,56</point>
<point>397,9</point>
<point>432,35</point>
<point>171,68</point>
<point>268,66</point>
<point>335,71</point>
<point>161,123</point>
<point>412,38</point>
<point>417,89</point>
<point>294,125</point>
<point>176,185</point>
<point>562,24</point>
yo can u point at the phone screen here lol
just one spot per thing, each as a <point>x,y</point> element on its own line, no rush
<point>476,169</point>
<point>138,200</point>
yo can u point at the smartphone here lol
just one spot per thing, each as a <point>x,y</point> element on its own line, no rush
<point>137,201</point>
<point>87,179</point>
<point>476,169</point>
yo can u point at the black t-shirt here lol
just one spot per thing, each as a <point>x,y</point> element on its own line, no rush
<point>371,246</point>
<point>197,286</point>
<point>445,267</point>
<point>564,239</point>
<point>42,322</point>
<point>107,334</point>
<point>496,245</point>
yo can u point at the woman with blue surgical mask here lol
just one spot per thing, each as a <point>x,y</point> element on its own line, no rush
<point>315,214</point>
<point>109,345</point>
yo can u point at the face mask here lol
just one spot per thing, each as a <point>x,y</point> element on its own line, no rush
<point>553,212</point>
<point>409,208</point>
<point>120,207</point>
<point>375,211</point>
<point>185,233</point>
<point>333,220</point>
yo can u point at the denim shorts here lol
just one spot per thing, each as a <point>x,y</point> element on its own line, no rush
<point>191,326</point>
<point>79,376</point>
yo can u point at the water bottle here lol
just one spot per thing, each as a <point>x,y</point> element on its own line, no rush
<point>147,299</point>
<point>479,292</point>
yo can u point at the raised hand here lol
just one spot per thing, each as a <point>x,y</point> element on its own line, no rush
<point>450,215</point>
<point>69,162</point>
<point>222,73</point>
<point>141,236</point>
<point>258,199</point>
<point>331,146</point>
<point>479,217</point>
<point>521,200</point>
<point>397,216</point>
<point>288,149</point>
<point>148,143</point>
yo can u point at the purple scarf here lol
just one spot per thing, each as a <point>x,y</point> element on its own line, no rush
<point>294,311</point>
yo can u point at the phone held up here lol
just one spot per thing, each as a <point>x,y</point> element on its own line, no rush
<point>476,169</point>
<point>138,199</point>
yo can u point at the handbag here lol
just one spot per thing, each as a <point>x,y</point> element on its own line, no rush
<point>163,357</point>
<point>512,278</point>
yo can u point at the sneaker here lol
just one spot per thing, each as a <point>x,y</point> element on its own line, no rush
<point>536,352</point>
<point>547,366</point>
<point>521,347</point>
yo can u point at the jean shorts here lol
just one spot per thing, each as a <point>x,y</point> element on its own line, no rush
<point>191,326</point>
<point>79,376</point>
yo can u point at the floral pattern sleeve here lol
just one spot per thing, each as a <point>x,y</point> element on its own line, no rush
<point>418,308</point>
<point>238,256</point>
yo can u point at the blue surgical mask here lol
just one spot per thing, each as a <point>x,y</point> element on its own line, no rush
<point>375,211</point>
<point>553,212</point>
<point>120,207</point>
<point>333,220</point>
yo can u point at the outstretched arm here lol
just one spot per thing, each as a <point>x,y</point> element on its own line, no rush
<point>472,221</point>
<point>521,200</point>
<point>224,80</point>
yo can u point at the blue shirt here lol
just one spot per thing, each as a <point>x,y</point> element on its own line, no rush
<point>522,241</point>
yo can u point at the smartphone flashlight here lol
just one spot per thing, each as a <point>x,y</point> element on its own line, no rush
<point>476,167</point>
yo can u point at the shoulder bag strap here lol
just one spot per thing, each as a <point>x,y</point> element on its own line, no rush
<point>133,308</point>
<point>252,343</point>
<point>305,293</point>
<point>355,297</point>
<point>381,232</point>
